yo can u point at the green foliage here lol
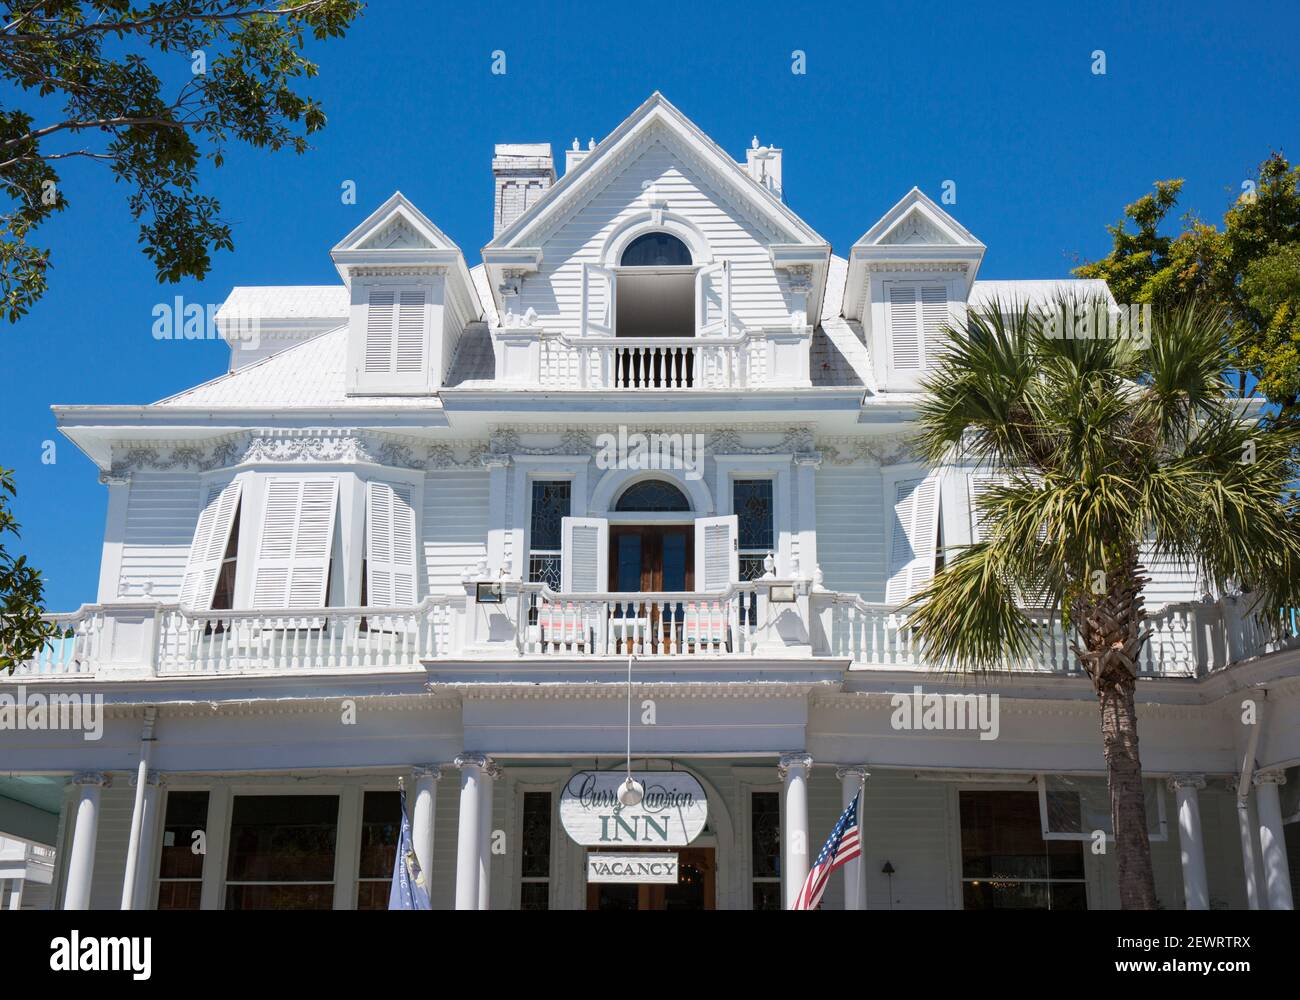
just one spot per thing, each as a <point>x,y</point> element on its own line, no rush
<point>1103,444</point>
<point>1250,267</point>
<point>104,66</point>
<point>22,631</point>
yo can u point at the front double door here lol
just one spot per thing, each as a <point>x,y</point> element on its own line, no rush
<point>695,888</point>
<point>650,559</point>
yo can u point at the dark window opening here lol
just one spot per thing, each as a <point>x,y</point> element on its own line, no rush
<point>652,495</point>
<point>656,250</point>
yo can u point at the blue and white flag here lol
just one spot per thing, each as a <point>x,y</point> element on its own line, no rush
<point>410,890</point>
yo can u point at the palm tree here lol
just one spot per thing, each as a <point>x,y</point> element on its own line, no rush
<point>1102,450</point>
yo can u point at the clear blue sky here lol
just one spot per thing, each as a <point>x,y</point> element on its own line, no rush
<point>999,98</point>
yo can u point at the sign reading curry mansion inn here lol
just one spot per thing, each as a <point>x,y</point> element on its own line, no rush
<point>631,498</point>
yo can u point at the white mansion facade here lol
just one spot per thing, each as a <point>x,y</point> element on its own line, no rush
<point>398,540</point>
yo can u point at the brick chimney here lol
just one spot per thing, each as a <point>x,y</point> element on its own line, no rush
<point>523,173</point>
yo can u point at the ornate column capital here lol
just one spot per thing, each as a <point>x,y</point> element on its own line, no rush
<point>798,758</point>
<point>492,769</point>
<point>477,760</point>
<point>1270,777</point>
<point>811,458</point>
<point>433,771</point>
<point>101,778</point>
<point>858,771</point>
<point>1193,781</point>
<point>154,779</point>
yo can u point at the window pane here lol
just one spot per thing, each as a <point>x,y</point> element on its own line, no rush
<point>767,895</point>
<point>381,817</point>
<point>535,896</point>
<point>1005,860</point>
<point>656,250</point>
<point>653,495</point>
<point>536,835</point>
<point>374,895</point>
<point>752,501</point>
<point>765,825</point>
<point>179,895</point>
<point>186,813</point>
<point>283,838</point>
<point>279,897</point>
<point>551,502</point>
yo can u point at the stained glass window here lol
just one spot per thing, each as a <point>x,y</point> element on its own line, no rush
<point>765,849</point>
<point>653,495</point>
<point>535,890</point>
<point>552,502</point>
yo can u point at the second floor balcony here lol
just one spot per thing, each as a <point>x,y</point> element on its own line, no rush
<point>507,621</point>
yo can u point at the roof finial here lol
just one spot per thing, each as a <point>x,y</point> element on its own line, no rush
<point>591,143</point>
<point>754,143</point>
<point>576,145</point>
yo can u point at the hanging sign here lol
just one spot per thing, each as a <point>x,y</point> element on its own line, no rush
<point>672,814</point>
<point>626,869</point>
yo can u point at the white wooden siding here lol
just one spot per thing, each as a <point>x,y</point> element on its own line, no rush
<point>757,293</point>
<point>455,526</point>
<point>161,512</point>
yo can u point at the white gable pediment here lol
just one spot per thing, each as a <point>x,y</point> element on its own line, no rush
<point>916,229</point>
<point>914,235</point>
<point>656,121</point>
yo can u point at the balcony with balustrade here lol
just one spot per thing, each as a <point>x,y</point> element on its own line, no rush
<point>496,622</point>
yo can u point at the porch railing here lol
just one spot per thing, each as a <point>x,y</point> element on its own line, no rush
<point>653,362</point>
<point>668,624</point>
<point>147,638</point>
<point>222,642</point>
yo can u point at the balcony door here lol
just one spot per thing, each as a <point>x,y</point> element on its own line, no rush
<point>652,559</point>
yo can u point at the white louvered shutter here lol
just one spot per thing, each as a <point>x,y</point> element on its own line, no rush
<point>584,555</point>
<point>211,537</point>
<point>934,317</point>
<point>390,546</point>
<point>293,556</point>
<point>395,341</point>
<point>409,351</point>
<point>904,327</point>
<point>979,485</point>
<point>717,553</point>
<point>599,300</point>
<point>713,299</point>
<point>914,531</point>
<point>379,331</point>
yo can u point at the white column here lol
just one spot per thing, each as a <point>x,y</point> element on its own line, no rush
<point>490,775</point>
<point>145,873</point>
<point>81,859</point>
<point>1191,843</point>
<point>855,873</point>
<point>794,768</point>
<point>1272,840</point>
<point>467,837</point>
<point>423,811</point>
<point>1246,829</point>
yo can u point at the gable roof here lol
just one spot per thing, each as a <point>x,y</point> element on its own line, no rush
<point>655,112</point>
<point>915,231</point>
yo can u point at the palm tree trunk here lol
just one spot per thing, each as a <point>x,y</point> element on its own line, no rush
<point>1128,814</point>
<point>1110,624</point>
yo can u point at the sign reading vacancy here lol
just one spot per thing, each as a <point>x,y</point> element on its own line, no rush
<point>632,868</point>
<point>672,814</point>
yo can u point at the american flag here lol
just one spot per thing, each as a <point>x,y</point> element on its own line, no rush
<point>842,846</point>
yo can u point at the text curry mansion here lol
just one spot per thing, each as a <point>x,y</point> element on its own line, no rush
<point>629,503</point>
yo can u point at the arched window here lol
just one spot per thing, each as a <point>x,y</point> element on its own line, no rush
<point>656,250</point>
<point>652,495</point>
